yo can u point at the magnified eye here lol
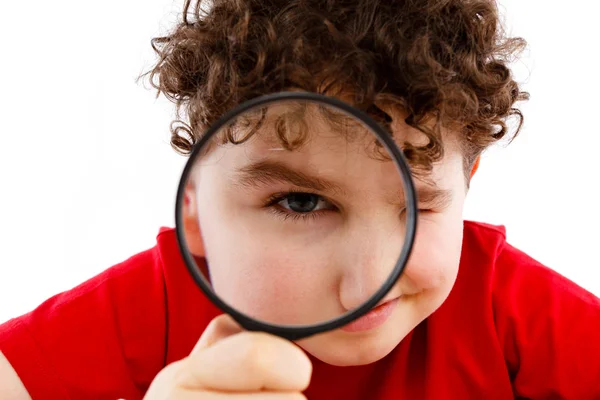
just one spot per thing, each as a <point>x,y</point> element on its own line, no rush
<point>303,202</point>
<point>299,205</point>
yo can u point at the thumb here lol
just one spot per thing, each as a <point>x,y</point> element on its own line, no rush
<point>219,328</point>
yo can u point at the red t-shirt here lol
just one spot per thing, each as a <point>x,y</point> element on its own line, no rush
<point>510,328</point>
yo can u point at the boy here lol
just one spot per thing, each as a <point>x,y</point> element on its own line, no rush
<point>476,318</point>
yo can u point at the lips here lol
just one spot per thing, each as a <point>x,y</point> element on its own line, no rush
<point>374,318</point>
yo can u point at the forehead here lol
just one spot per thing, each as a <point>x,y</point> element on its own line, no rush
<point>292,124</point>
<point>313,137</point>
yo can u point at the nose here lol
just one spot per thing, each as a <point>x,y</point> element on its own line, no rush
<point>371,247</point>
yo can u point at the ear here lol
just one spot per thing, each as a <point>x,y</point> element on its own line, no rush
<point>475,167</point>
<point>191,225</point>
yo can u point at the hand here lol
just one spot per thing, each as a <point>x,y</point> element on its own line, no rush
<point>231,364</point>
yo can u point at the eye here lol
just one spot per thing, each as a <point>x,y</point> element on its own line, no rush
<point>420,210</point>
<point>303,202</point>
<point>299,205</point>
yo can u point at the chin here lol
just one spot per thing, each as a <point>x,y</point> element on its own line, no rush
<point>334,349</point>
<point>362,351</point>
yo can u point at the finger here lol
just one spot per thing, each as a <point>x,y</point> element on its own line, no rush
<point>219,328</point>
<point>249,361</point>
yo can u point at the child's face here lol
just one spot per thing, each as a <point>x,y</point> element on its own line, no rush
<point>314,260</point>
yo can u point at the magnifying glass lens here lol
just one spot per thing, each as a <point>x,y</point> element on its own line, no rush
<point>294,214</point>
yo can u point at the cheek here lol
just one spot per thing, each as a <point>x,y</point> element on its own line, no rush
<point>256,268</point>
<point>262,274</point>
<point>436,253</point>
<point>438,245</point>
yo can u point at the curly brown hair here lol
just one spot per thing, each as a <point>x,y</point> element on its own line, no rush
<point>444,61</point>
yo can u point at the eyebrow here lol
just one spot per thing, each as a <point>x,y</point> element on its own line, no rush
<point>266,172</point>
<point>433,196</point>
<point>270,171</point>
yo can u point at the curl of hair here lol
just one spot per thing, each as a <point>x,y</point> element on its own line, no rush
<point>440,60</point>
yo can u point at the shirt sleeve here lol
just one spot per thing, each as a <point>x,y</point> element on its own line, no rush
<point>549,329</point>
<point>104,339</point>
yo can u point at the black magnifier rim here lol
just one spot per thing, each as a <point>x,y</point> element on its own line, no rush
<point>292,332</point>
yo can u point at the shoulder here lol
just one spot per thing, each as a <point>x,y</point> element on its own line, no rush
<point>121,283</point>
<point>506,286</point>
<point>487,252</point>
<point>112,327</point>
<point>112,333</point>
<point>545,324</point>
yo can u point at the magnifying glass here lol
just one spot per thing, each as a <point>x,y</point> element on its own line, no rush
<point>296,214</point>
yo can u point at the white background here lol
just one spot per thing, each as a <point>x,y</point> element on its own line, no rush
<point>87,176</point>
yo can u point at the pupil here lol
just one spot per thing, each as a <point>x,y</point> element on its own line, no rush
<point>302,202</point>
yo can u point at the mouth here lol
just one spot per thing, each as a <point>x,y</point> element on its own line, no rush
<point>374,318</point>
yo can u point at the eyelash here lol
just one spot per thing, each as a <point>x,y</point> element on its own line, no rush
<point>272,205</point>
